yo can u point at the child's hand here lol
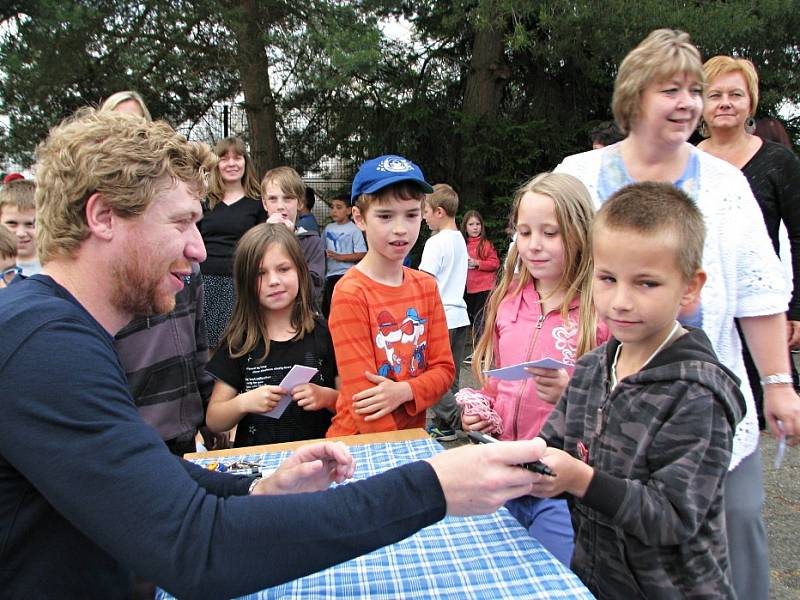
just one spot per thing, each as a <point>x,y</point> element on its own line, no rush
<point>310,396</point>
<point>472,263</point>
<point>279,218</point>
<point>550,383</point>
<point>261,400</point>
<point>572,475</point>
<point>379,401</point>
<point>333,255</point>
<point>475,423</point>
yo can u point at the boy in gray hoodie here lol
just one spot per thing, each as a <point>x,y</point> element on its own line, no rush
<point>641,439</point>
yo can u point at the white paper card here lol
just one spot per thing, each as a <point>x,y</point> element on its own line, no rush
<point>297,375</point>
<point>515,372</point>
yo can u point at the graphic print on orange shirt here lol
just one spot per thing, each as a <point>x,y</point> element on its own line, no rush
<point>402,344</point>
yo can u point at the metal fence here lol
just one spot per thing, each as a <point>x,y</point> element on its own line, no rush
<point>328,176</point>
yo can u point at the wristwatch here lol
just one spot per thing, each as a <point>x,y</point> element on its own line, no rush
<point>777,378</point>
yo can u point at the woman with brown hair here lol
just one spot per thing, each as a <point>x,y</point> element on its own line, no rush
<point>234,206</point>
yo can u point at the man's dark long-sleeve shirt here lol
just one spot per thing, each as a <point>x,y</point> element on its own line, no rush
<point>89,495</point>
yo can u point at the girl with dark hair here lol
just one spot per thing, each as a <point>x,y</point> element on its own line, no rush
<point>482,269</point>
<point>273,328</point>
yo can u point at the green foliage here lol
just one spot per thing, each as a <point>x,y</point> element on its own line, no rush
<point>343,89</point>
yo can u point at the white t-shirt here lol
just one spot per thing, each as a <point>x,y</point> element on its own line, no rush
<point>445,257</point>
<point>32,267</point>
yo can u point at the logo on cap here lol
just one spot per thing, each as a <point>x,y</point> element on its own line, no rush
<point>395,165</point>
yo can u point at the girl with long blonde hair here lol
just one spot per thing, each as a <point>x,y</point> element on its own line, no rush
<point>542,308</point>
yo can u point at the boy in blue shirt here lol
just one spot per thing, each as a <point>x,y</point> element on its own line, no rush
<point>344,247</point>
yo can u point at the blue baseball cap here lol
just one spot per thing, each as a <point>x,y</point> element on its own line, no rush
<point>378,173</point>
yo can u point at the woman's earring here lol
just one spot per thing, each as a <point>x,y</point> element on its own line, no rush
<point>703,129</point>
<point>750,125</point>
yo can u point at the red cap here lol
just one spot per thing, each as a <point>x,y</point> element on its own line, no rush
<point>13,177</point>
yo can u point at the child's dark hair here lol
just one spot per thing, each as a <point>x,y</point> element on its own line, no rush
<point>310,198</point>
<point>605,133</point>
<point>657,208</point>
<point>247,326</point>
<point>483,244</point>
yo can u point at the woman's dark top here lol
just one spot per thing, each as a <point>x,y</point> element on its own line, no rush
<point>221,228</point>
<point>774,176</point>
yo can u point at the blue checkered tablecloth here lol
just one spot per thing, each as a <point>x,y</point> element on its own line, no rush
<point>462,558</point>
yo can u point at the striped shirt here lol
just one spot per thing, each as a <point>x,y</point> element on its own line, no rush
<point>164,357</point>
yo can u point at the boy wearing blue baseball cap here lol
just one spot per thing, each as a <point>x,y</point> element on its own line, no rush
<point>387,321</point>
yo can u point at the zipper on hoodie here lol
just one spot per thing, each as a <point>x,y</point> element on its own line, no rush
<point>539,324</point>
<point>600,419</point>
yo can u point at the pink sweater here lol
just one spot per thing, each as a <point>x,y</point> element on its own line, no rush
<point>482,278</point>
<point>523,333</point>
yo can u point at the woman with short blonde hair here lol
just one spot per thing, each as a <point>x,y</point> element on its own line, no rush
<point>772,170</point>
<point>658,100</point>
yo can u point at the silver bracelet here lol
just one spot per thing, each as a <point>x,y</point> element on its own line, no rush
<point>253,485</point>
<point>777,378</point>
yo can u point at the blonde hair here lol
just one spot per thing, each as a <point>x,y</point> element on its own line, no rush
<point>114,100</point>
<point>444,197</point>
<point>574,212</point>
<point>659,56</point>
<point>722,65</point>
<point>20,193</point>
<point>216,188</point>
<point>288,180</point>
<point>8,243</point>
<point>404,190</point>
<point>247,326</point>
<point>125,158</point>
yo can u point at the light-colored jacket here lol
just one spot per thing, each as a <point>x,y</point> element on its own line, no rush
<point>745,278</point>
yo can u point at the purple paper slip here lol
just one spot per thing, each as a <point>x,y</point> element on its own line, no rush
<point>515,372</point>
<point>297,375</point>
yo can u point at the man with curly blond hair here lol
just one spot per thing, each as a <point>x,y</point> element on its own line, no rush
<point>89,495</point>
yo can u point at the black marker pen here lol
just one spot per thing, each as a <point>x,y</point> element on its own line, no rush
<point>536,466</point>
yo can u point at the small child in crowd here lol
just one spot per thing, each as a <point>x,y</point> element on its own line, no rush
<point>482,268</point>
<point>345,247</point>
<point>306,218</point>
<point>8,258</point>
<point>389,326</point>
<point>281,191</point>
<point>445,257</point>
<point>18,215</point>
<point>542,308</point>
<point>273,328</point>
<point>642,437</point>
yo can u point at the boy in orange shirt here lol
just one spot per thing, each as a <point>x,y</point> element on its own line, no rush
<point>387,321</point>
